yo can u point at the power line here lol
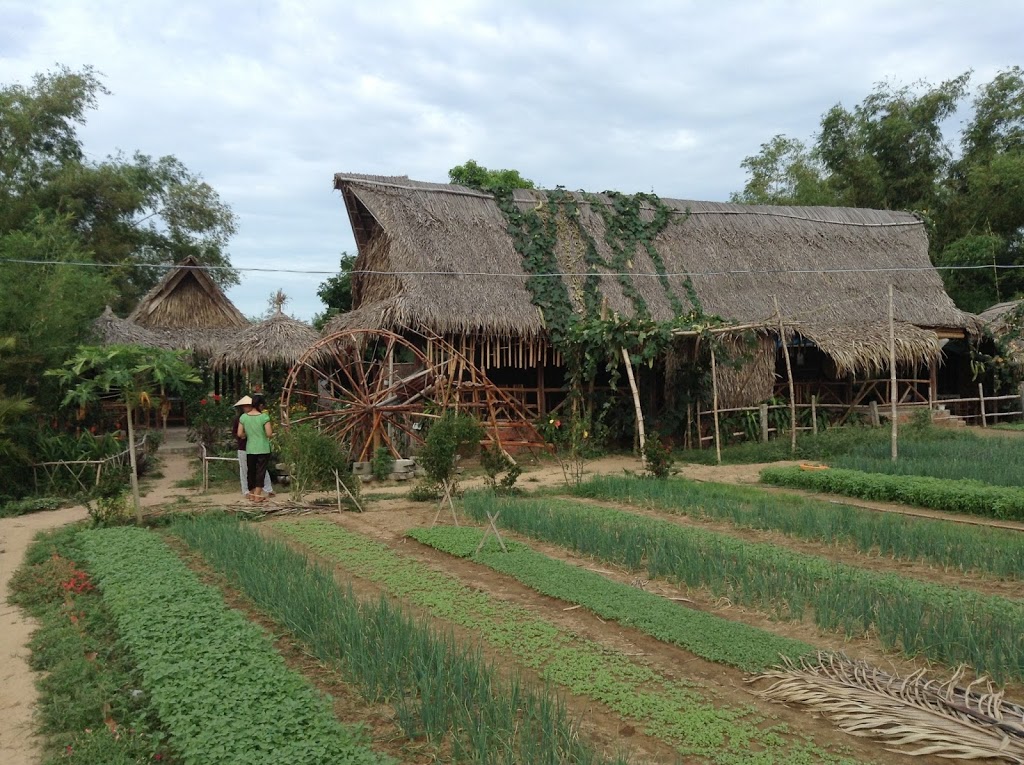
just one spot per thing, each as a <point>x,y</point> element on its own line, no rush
<point>522,275</point>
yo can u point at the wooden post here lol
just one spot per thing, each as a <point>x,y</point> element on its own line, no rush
<point>981,401</point>
<point>1022,399</point>
<point>789,377</point>
<point>689,418</point>
<point>876,421</point>
<point>700,441</point>
<point>542,402</point>
<point>636,403</point>
<point>933,386</point>
<point>814,414</point>
<point>764,423</point>
<point>714,404</point>
<point>893,393</point>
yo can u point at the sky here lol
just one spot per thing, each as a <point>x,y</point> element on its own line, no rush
<point>267,100</point>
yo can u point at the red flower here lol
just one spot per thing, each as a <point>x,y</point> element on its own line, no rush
<point>202,402</point>
<point>558,423</point>
<point>216,398</point>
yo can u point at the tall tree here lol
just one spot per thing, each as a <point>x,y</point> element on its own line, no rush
<point>125,211</point>
<point>479,177</point>
<point>890,152</point>
<point>335,292</point>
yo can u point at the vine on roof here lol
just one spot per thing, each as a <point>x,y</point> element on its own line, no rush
<point>589,339</point>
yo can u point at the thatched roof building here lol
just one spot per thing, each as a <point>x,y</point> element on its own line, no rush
<point>111,329</point>
<point>278,341</point>
<point>440,257</point>
<point>186,310</point>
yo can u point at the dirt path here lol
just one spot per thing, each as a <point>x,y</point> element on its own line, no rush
<point>18,743</point>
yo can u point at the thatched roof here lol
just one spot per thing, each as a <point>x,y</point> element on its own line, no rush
<point>829,268</point>
<point>279,340</point>
<point>110,329</point>
<point>995,317</point>
<point>186,310</point>
<point>187,298</point>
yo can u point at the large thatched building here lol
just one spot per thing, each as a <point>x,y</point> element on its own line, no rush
<point>440,258</point>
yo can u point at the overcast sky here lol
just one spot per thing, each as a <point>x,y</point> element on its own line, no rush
<point>267,100</point>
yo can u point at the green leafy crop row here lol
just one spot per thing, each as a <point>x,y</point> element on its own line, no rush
<point>900,536</point>
<point>437,687</point>
<point>952,495</point>
<point>670,709</point>
<point>705,635</point>
<point>946,624</point>
<point>215,680</point>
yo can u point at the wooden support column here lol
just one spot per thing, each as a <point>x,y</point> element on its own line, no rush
<point>714,404</point>
<point>981,402</point>
<point>636,404</point>
<point>789,377</point>
<point>542,402</point>
<point>893,392</point>
<point>764,423</point>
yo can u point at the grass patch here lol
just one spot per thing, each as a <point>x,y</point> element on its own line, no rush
<point>437,688</point>
<point>890,534</point>
<point>673,711</point>
<point>946,624</point>
<point>218,685</point>
<point>705,635</point>
<point>91,707</point>
<point>951,495</point>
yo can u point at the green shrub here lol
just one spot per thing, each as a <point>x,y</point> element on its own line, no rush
<point>495,462</point>
<point>382,463</point>
<point>455,434</point>
<point>116,510</point>
<point>657,457</point>
<point>28,505</point>
<point>312,458</point>
<point>955,496</point>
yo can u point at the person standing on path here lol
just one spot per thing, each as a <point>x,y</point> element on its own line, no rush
<point>243,405</point>
<point>254,426</point>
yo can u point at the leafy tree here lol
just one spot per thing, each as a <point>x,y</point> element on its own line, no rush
<point>136,374</point>
<point>479,177</point>
<point>12,412</point>
<point>132,211</point>
<point>335,292</point>
<point>889,152</point>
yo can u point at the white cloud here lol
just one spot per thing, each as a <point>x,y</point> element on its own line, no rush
<point>268,99</point>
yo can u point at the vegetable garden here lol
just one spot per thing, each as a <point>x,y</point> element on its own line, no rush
<point>627,620</point>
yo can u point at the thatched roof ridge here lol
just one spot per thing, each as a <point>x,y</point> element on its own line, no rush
<point>446,262</point>
<point>187,298</point>
<point>278,340</point>
<point>994,317</point>
<point>111,329</point>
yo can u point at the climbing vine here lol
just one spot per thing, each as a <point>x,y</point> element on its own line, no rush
<point>588,339</point>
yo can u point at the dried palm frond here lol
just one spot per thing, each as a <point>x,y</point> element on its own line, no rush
<point>938,718</point>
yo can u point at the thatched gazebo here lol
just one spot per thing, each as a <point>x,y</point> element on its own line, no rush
<point>439,258</point>
<point>277,342</point>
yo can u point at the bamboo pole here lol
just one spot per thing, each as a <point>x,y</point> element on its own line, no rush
<point>764,423</point>
<point>981,402</point>
<point>789,378</point>
<point>893,393</point>
<point>714,404</point>
<point>814,414</point>
<point>636,404</point>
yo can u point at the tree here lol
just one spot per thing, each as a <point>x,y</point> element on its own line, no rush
<point>479,177</point>
<point>135,374</point>
<point>889,152</point>
<point>335,292</point>
<point>133,212</point>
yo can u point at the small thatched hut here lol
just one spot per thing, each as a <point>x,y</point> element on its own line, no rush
<point>279,341</point>
<point>440,258</point>
<point>187,308</point>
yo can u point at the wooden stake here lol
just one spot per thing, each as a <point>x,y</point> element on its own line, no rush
<point>789,377</point>
<point>636,404</point>
<point>764,423</point>
<point>981,401</point>
<point>814,414</point>
<point>714,404</point>
<point>893,394</point>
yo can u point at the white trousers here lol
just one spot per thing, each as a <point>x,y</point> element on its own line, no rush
<point>243,473</point>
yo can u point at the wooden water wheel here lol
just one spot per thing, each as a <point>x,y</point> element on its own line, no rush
<point>373,388</point>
